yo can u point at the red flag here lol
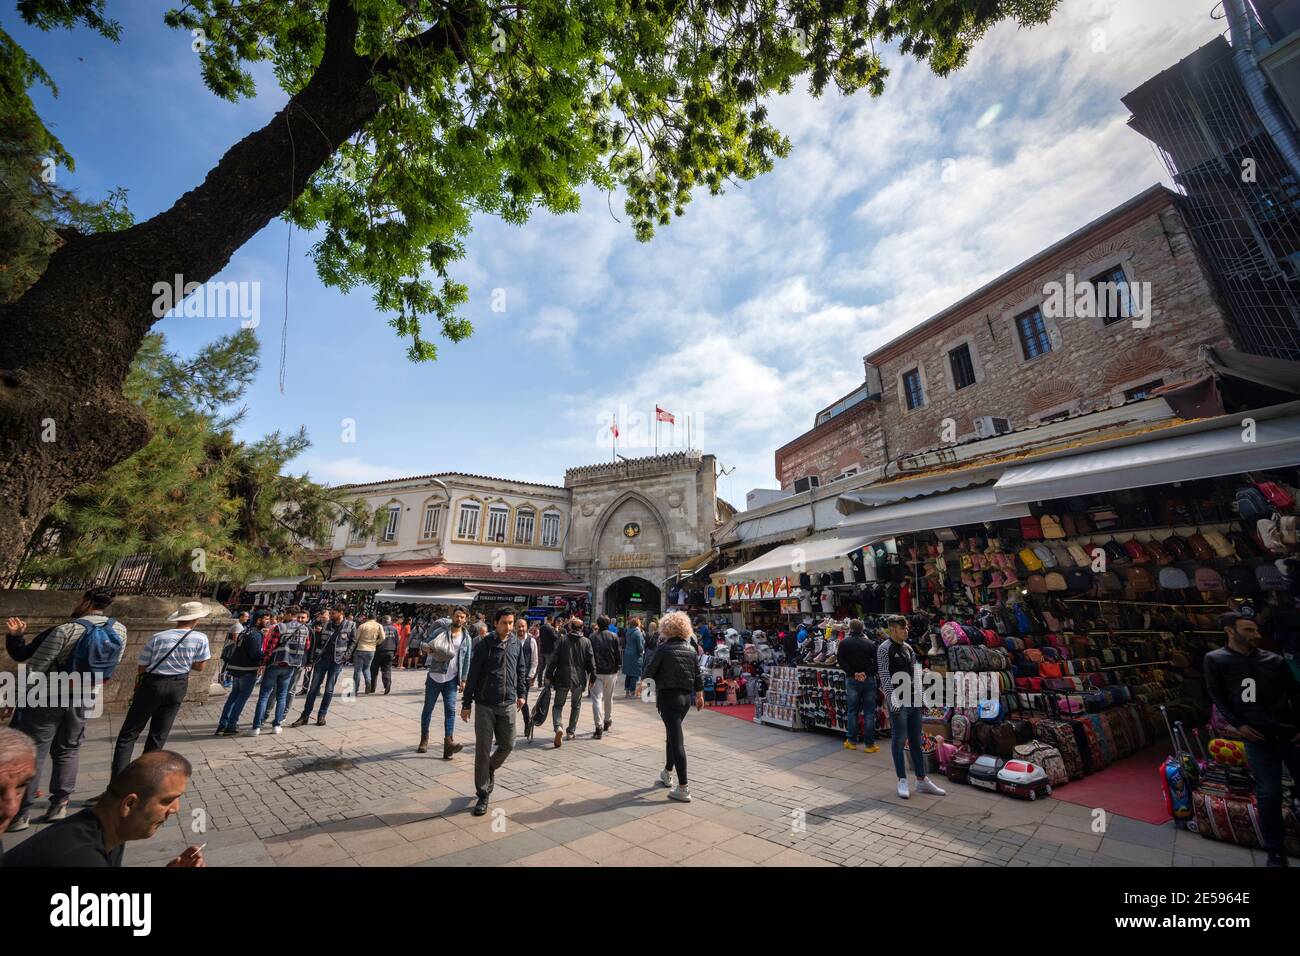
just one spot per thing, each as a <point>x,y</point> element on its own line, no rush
<point>614,427</point>
<point>664,416</point>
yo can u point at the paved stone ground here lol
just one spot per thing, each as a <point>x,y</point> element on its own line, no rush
<point>356,793</point>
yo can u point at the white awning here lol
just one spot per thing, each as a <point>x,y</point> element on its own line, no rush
<point>275,584</point>
<point>451,595</point>
<point>905,489</point>
<point>788,522</point>
<point>1185,457</point>
<point>969,506</point>
<point>802,557</point>
<point>359,584</point>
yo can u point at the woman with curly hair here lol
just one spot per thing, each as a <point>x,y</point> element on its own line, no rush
<point>675,670</point>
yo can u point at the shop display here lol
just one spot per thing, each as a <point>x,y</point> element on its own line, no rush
<point>1020,778</point>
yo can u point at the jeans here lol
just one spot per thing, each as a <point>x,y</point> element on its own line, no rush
<point>861,696</point>
<point>602,699</point>
<point>674,705</point>
<point>241,688</point>
<point>326,672</point>
<point>157,701</point>
<point>433,690</point>
<point>629,683</point>
<point>575,706</point>
<point>57,732</point>
<point>382,665</point>
<point>361,661</point>
<point>1266,760</point>
<point>491,723</point>
<point>274,680</point>
<point>905,723</point>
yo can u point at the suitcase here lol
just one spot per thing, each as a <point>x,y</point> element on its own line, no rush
<point>984,772</point>
<point>1230,817</point>
<point>959,765</point>
<point>1020,778</point>
<point>1059,734</point>
<point>1047,757</point>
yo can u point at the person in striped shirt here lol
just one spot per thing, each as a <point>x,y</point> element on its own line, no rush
<point>166,661</point>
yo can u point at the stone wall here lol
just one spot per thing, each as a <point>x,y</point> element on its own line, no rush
<point>849,440</point>
<point>143,617</point>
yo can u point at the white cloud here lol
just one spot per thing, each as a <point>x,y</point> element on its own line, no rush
<point>342,471</point>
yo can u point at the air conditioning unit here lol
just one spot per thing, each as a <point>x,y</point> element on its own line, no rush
<point>986,426</point>
<point>805,484</point>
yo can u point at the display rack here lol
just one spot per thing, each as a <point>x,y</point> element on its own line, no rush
<point>779,707</point>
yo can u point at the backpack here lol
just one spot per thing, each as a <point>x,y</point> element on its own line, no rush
<point>1030,529</point>
<point>97,651</point>
<point>252,639</point>
<point>1051,526</point>
<point>292,648</point>
<point>1251,504</point>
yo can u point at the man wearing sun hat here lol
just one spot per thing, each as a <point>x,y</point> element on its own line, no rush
<point>166,661</point>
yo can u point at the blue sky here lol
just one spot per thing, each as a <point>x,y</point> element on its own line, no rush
<point>749,314</point>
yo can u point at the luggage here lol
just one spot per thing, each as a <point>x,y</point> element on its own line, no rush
<point>984,772</point>
<point>1020,778</point>
<point>1174,777</point>
<point>959,765</point>
<point>1060,735</point>
<point>1047,757</point>
<point>1230,817</point>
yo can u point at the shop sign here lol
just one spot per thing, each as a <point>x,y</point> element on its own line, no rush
<point>769,590</point>
<point>637,559</point>
<point>782,587</point>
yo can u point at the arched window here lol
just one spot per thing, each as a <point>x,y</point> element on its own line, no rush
<point>498,520</point>
<point>431,525</point>
<point>551,529</point>
<point>467,525</point>
<point>394,520</point>
<point>525,519</point>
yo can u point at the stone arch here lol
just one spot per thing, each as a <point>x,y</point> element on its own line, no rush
<point>613,507</point>
<point>1135,363</point>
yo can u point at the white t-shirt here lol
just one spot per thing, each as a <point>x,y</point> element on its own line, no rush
<point>442,677</point>
<point>828,601</point>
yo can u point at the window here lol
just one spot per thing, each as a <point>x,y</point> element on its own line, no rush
<point>432,521</point>
<point>1142,391</point>
<point>912,388</point>
<point>551,530</point>
<point>356,536</point>
<point>394,518</point>
<point>1111,288</point>
<point>467,527</point>
<point>524,519</point>
<point>847,473</point>
<point>963,369</point>
<point>1033,333</point>
<point>498,518</point>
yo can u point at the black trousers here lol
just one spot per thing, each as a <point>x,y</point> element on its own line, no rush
<point>156,702</point>
<point>382,664</point>
<point>674,705</point>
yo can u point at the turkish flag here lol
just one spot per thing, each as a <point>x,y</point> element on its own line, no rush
<point>663,416</point>
<point>614,428</point>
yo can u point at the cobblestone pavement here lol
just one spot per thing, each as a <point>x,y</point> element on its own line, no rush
<point>355,792</point>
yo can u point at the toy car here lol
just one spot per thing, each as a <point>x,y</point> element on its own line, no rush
<point>1020,778</point>
<point>984,772</point>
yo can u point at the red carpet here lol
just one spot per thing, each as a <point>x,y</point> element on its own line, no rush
<point>1129,787</point>
<point>740,711</point>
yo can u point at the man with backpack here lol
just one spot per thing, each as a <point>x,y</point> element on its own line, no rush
<point>284,652</point>
<point>572,670</point>
<point>242,665</point>
<point>58,730</point>
<point>330,651</point>
<point>163,677</point>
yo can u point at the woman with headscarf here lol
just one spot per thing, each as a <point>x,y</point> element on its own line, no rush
<point>675,670</point>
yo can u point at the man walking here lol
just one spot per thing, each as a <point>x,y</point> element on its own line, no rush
<point>166,661</point>
<point>369,636</point>
<point>284,651</point>
<point>857,658</point>
<point>384,654</point>
<point>1257,692</point>
<point>448,648</point>
<point>494,690</point>
<point>607,656</point>
<point>57,731</point>
<point>329,652</point>
<point>571,670</point>
<point>547,638</point>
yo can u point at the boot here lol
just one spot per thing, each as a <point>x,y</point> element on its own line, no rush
<point>424,745</point>
<point>449,747</point>
<point>301,721</point>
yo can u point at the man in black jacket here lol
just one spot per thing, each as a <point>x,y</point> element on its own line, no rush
<point>571,670</point>
<point>547,638</point>
<point>1257,692</point>
<point>497,682</point>
<point>607,657</point>
<point>857,658</point>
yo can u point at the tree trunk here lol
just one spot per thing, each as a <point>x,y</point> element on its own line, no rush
<point>67,344</point>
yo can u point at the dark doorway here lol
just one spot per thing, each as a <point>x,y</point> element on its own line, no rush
<point>632,596</point>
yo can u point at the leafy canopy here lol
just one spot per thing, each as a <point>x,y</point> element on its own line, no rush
<point>527,102</point>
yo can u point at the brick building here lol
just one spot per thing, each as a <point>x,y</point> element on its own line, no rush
<point>1096,320</point>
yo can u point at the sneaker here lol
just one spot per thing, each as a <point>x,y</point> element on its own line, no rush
<point>849,745</point>
<point>229,732</point>
<point>255,732</point>
<point>57,811</point>
<point>680,793</point>
<point>924,785</point>
<point>19,823</point>
<point>219,732</point>
<point>301,721</point>
<point>666,778</point>
<point>277,729</point>
<point>873,749</point>
<point>902,789</point>
<point>570,735</point>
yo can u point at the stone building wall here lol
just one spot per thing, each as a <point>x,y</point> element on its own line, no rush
<point>143,617</point>
<point>849,440</point>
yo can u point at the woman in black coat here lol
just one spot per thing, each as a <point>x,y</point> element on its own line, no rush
<point>675,670</point>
